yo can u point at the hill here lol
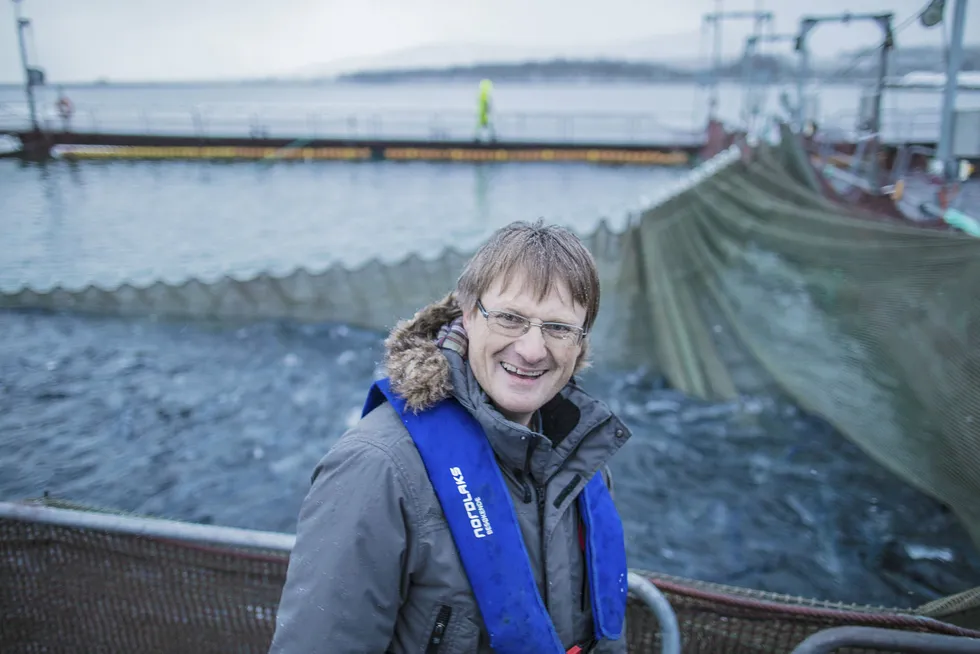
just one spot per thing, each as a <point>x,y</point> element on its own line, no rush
<point>857,66</point>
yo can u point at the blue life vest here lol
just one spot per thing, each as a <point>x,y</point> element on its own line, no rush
<point>471,489</point>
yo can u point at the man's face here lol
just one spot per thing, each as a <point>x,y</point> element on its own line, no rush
<point>522,373</point>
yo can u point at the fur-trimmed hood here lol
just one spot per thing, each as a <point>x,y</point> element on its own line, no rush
<point>419,372</point>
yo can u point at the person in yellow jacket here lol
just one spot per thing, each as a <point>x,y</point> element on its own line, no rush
<point>484,123</point>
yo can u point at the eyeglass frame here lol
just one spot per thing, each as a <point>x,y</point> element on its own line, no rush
<point>540,324</point>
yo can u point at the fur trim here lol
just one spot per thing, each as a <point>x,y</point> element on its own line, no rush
<point>418,371</point>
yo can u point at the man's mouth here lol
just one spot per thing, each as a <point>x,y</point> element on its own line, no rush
<point>521,372</point>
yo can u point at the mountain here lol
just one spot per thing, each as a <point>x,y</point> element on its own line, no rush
<point>774,68</point>
<point>535,71</point>
<point>686,52</point>
<point>680,50</point>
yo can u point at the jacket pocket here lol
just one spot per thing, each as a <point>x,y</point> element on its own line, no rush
<point>464,638</point>
<point>439,629</point>
<point>453,632</point>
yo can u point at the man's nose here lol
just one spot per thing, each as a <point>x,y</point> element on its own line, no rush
<point>531,346</point>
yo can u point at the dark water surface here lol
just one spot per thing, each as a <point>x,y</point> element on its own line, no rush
<point>224,424</point>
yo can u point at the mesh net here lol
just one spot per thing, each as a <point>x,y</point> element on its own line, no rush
<point>66,589</point>
<point>758,279</point>
<point>716,618</point>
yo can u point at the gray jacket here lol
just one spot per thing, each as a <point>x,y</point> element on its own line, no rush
<point>375,568</point>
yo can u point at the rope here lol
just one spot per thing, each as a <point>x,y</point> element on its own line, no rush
<point>860,57</point>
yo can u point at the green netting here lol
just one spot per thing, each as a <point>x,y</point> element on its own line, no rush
<point>759,280</point>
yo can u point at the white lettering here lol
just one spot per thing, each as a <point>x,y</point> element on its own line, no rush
<point>473,506</point>
<point>483,516</point>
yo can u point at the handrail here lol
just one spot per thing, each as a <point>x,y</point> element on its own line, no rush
<point>670,632</point>
<point>891,640</point>
<point>266,540</point>
<point>364,121</point>
<point>152,527</point>
<point>899,125</point>
<point>907,124</point>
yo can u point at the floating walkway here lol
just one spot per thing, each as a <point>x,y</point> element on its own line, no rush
<point>113,146</point>
<point>76,146</point>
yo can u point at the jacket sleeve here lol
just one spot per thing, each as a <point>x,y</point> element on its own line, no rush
<point>347,573</point>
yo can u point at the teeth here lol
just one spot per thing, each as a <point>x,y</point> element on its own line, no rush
<point>518,371</point>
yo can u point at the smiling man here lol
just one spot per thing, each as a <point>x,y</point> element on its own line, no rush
<point>469,510</point>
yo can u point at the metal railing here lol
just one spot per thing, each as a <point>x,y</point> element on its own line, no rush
<point>822,642</point>
<point>643,588</point>
<point>647,591</point>
<point>363,122</point>
<point>898,125</point>
<point>370,123</point>
<point>889,640</point>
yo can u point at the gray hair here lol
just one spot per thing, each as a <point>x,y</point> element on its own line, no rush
<point>546,255</point>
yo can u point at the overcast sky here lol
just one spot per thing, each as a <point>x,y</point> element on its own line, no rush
<point>135,40</point>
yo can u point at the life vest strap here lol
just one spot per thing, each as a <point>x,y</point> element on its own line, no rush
<point>479,510</point>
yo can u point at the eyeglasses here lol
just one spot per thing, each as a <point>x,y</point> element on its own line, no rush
<point>515,326</point>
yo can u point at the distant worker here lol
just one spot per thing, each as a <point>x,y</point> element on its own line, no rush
<point>484,124</point>
<point>65,109</point>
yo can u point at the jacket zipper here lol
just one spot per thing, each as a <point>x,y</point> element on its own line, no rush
<point>523,476</point>
<point>539,490</point>
<point>439,630</point>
